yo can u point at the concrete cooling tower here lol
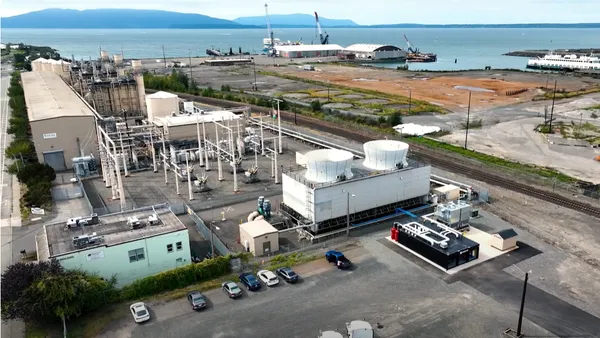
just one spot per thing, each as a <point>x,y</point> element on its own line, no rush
<point>328,165</point>
<point>385,154</point>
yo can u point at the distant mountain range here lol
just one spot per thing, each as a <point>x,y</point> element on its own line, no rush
<point>154,19</point>
<point>294,20</point>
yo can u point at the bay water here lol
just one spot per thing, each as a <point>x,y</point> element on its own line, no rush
<point>471,47</point>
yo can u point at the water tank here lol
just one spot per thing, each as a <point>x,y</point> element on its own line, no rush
<point>261,201</point>
<point>136,65</point>
<point>385,154</point>
<point>104,55</point>
<point>328,165</point>
<point>161,104</point>
<point>118,59</point>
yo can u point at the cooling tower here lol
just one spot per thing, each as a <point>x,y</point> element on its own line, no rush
<point>328,165</point>
<point>385,154</point>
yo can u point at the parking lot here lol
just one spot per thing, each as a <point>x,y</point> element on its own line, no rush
<point>385,287</point>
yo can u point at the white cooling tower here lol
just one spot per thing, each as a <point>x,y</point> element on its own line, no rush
<point>37,64</point>
<point>47,65</point>
<point>118,59</point>
<point>327,165</point>
<point>104,55</point>
<point>385,154</point>
<point>136,65</point>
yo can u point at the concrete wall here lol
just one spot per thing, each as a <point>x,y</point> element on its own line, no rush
<point>67,130</point>
<point>370,192</point>
<point>114,260</point>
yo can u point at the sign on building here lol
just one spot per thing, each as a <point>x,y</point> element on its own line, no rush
<point>95,256</point>
<point>49,135</point>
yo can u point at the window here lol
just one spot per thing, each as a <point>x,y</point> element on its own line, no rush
<point>179,260</point>
<point>179,246</point>
<point>169,248</point>
<point>136,255</point>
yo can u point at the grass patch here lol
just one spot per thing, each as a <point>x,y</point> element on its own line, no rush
<point>565,94</point>
<point>181,293</point>
<point>297,258</point>
<point>596,107</point>
<point>92,324</point>
<point>492,160</point>
<point>473,124</point>
<point>35,331</point>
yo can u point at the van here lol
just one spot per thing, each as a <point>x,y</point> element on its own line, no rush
<point>309,67</point>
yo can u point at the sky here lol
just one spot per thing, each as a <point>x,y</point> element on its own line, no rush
<point>360,11</point>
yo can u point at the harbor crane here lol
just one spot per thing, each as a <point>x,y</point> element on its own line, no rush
<point>411,48</point>
<point>270,30</point>
<point>323,36</point>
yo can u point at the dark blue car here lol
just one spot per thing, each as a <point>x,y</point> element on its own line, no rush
<point>250,281</point>
<point>287,274</point>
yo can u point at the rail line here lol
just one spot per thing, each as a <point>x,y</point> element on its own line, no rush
<point>424,154</point>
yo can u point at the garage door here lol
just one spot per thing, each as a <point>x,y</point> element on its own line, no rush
<point>55,159</point>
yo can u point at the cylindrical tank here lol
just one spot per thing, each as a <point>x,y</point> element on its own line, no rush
<point>330,334</point>
<point>104,55</point>
<point>118,59</point>
<point>267,208</point>
<point>161,104</point>
<point>385,154</point>
<point>261,201</point>
<point>136,65</point>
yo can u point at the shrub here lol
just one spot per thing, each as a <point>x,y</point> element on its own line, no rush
<point>395,119</point>
<point>225,88</point>
<point>177,278</point>
<point>315,105</point>
<point>208,92</point>
<point>594,115</point>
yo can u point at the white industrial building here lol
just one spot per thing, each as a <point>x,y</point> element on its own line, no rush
<point>308,51</point>
<point>329,184</point>
<point>129,245</point>
<point>376,52</point>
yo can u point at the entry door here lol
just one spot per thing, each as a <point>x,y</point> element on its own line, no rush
<point>266,247</point>
<point>55,159</point>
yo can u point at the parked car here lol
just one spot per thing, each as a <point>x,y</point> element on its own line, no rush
<point>268,277</point>
<point>197,300</point>
<point>250,281</point>
<point>232,289</point>
<point>338,259</point>
<point>140,312</point>
<point>287,274</point>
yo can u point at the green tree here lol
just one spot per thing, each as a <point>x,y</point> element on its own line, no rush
<point>395,119</point>
<point>20,149</point>
<point>315,105</point>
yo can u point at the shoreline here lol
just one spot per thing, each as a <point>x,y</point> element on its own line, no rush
<point>542,52</point>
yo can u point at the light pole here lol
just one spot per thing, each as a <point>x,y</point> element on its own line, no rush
<point>511,332</point>
<point>191,77</point>
<point>468,115</point>
<point>254,64</point>
<point>552,110</point>
<point>348,211</point>
<point>409,100</point>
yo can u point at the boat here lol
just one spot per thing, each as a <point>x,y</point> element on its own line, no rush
<point>565,62</point>
<point>213,52</point>
<point>414,55</point>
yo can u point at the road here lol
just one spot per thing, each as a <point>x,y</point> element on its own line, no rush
<point>385,288</point>
<point>8,218</point>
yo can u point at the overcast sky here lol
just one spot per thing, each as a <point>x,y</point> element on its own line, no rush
<point>361,11</point>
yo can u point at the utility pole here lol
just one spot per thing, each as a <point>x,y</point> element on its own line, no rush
<point>410,100</point>
<point>279,125</point>
<point>164,56</point>
<point>468,116</point>
<point>552,110</point>
<point>191,77</point>
<point>254,64</point>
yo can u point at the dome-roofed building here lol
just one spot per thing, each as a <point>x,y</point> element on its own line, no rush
<point>376,52</point>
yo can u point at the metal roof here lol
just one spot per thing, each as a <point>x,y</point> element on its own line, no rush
<point>308,48</point>
<point>161,95</point>
<point>507,233</point>
<point>365,47</point>
<point>258,228</point>
<point>48,96</point>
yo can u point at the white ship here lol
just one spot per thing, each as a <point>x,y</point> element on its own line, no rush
<point>565,62</point>
<point>278,42</point>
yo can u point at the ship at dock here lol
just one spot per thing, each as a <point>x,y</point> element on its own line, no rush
<point>271,43</point>
<point>568,62</point>
<point>413,54</point>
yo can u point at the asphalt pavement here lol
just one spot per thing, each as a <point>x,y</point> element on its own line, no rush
<point>384,288</point>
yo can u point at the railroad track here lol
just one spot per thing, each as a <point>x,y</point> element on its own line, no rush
<point>425,155</point>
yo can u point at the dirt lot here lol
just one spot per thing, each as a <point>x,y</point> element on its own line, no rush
<point>443,89</point>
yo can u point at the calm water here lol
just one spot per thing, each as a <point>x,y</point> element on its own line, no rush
<point>473,47</point>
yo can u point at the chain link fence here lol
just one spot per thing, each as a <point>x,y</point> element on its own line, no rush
<point>220,247</point>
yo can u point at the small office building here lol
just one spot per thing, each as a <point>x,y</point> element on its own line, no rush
<point>129,245</point>
<point>63,126</point>
<point>504,239</point>
<point>259,237</point>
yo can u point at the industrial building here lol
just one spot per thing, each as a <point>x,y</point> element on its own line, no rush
<point>59,67</point>
<point>308,51</point>
<point>436,242</point>
<point>375,52</point>
<point>259,237</point>
<point>63,126</point>
<point>329,186</point>
<point>128,245</point>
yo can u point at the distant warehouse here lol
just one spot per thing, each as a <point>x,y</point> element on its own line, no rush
<point>62,125</point>
<point>308,51</point>
<point>376,52</point>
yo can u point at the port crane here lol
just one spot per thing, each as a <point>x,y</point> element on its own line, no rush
<point>270,30</point>
<point>323,36</point>
<point>411,48</point>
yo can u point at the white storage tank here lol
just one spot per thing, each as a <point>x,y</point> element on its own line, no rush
<point>118,59</point>
<point>330,334</point>
<point>328,165</point>
<point>136,65</point>
<point>37,64</point>
<point>385,154</point>
<point>161,104</point>
<point>47,65</point>
<point>104,55</point>
<point>141,89</point>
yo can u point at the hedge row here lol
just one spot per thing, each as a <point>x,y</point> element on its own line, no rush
<point>177,278</point>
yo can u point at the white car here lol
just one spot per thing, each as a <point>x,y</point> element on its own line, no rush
<point>140,313</point>
<point>268,277</point>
